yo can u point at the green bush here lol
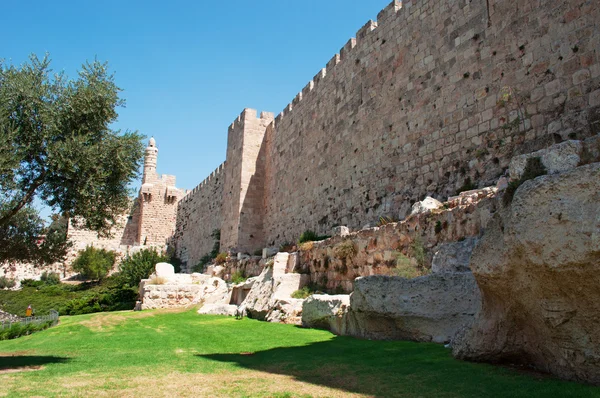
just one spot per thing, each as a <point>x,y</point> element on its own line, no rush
<point>50,278</point>
<point>534,168</point>
<point>303,293</point>
<point>94,264</point>
<point>139,266</point>
<point>31,283</point>
<point>6,283</point>
<point>311,236</point>
<point>238,277</point>
<point>18,329</point>
<point>113,298</point>
<point>221,258</point>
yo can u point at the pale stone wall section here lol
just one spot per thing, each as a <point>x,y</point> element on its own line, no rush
<point>243,195</point>
<point>198,215</point>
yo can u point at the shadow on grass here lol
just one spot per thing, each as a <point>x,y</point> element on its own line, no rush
<point>28,361</point>
<point>397,368</point>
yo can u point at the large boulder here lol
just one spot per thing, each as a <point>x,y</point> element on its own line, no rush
<point>429,308</point>
<point>271,292</point>
<point>426,204</point>
<point>538,267</point>
<point>164,270</point>
<point>453,257</point>
<point>323,311</point>
<point>218,309</point>
<point>557,158</point>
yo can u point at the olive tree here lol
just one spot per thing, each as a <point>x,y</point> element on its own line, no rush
<point>57,145</point>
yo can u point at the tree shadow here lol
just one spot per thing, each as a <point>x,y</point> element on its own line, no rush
<point>19,362</point>
<point>394,368</point>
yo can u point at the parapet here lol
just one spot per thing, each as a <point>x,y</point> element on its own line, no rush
<point>388,13</point>
<point>250,114</point>
<point>215,174</point>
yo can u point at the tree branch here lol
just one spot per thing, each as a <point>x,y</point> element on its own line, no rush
<point>25,200</point>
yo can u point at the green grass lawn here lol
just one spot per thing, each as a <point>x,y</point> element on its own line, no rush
<point>162,353</point>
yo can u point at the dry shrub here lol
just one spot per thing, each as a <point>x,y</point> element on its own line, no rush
<point>345,249</point>
<point>158,280</point>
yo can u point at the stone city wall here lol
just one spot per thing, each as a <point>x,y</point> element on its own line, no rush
<point>434,98</point>
<point>198,215</point>
<point>433,94</point>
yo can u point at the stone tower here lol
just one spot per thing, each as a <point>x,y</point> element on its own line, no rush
<point>158,202</point>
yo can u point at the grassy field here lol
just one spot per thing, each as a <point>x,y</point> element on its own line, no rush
<point>162,353</point>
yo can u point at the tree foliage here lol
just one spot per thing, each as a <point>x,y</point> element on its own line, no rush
<point>56,145</point>
<point>94,264</point>
<point>139,266</point>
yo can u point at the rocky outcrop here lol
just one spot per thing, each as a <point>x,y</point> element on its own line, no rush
<point>218,309</point>
<point>181,290</point>
<point>538,267</point>
<point>453,257</point>
<point>429,308</point>
<point>323,311</point>
<point>557,158</point>
<point>426,204</point>
<point>270,297</point>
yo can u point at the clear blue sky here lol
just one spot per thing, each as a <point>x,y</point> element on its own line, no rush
<point>188,68</point>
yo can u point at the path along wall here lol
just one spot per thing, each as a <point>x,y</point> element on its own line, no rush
<point>435,97</point>
<point>198,215</point>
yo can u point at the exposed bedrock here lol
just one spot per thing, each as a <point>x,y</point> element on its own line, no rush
<point>429,308</point>
<point>538,268</point>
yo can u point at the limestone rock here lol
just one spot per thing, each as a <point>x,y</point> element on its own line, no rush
<point>428,203</point>
<point>218,309</point>
<point>538,267</point>
<point>287,311</point>
<point>453,257</point>
<point>558,158</point>
<point>214,291</point>
<point>217,271</point>
<point>269,252</point>
<point>271,286</point>
<point>429,308</point>
<point>323,311</point>
<point>340,231</point>
<point>164,270</point>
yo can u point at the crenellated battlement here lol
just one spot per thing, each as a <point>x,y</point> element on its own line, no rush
<point>387,15</point>
<point>215,174</point>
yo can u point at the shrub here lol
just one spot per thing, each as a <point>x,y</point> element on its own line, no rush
<point>139,266</point>
<point>94,264</point>
<point>345,249</point>
<point>238,277</point>
<point>406,269</point>
<point>286,247</point>
<point>534,168</point>
<point>303,293</point>
<point>306,246</point>
<point>6,283</point>
<point>31,283</point>
<point>383,220</point>
<point>438,227</point>
<point>418,251</point>
<point>468,185</point>
<point>258,252</point>
<point>50,278</point>
<point>311,236</point>
<point>18,329</point>
<point>221,258</point>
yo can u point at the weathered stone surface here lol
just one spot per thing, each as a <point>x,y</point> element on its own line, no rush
<point>215,291</point>
<point>269,252</point>
<point>558,158</point>
<point>271,286</point>
<point>453,257</point>
<point>340,231</point>
<point>287,311</point>
<point>538,267</point>
<point>218,309</point>
<point>164,270</point>
<point>323,311</point>
<point>184,290</point>
<point>241,290</point>
<point>429,308</point>
<point>426,204</point>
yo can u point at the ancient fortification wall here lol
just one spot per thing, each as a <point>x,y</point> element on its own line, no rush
<point>198,215</point>
<point>433,98</point>
<point>150,220</point>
